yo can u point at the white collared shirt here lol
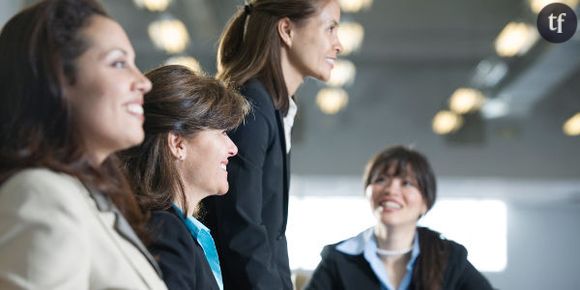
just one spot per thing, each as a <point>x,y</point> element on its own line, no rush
<point>365,243</point>
<point>289,122</point>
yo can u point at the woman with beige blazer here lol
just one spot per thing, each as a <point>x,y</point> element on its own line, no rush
<point>70,97</point>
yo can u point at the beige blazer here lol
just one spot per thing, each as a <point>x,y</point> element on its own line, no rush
<point>55,234</point>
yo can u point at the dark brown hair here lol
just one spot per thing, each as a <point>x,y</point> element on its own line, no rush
<point>431,263</point>
<point>38,50</point>
<point>184,103</point>
<point>249,46</point>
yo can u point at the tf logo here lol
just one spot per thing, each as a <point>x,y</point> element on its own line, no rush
<point>557,22</point>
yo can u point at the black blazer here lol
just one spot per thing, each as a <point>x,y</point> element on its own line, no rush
<point>340,271</point>
<point>180,257</point>
<point>249,222</point>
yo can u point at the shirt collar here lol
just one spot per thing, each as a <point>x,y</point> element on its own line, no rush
<point>195,225</point>
<point>357,244</point>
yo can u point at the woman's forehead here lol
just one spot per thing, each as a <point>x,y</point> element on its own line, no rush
<point>399,168</point>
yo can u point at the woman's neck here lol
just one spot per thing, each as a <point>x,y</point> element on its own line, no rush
<point>292,77</point>
<point>192,202</point>
<point>394,239</point>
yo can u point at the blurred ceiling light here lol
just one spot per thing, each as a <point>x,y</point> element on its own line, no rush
<point>572,126</point>
<point>515,39</point>
<point>153,5</point>
<point>331,100</point>
<point>466,100</point>
<point>353,6</point>
<point>538,5</point>
<point>187,61</point>
<point>351,35</point>
<point>169,34</point>
<point>494,108</point>
<point>489,73</point>
<point>342,74</point>
<point>446,122</point>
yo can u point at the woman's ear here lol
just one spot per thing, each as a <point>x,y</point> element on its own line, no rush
<point>285,30</point>
<point>177,146</point>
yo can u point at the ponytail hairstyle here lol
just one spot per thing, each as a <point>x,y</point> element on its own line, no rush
<point>249,46</point>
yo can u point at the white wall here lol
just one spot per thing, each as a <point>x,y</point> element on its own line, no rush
<point>7,9</point>
<point>543,248</point>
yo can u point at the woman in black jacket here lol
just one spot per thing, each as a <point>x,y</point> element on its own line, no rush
<point>183,160</point>
<point>396,253</point>
<point>266,51</point>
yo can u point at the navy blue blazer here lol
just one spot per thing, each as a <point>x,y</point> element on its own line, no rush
<point>179,256</point>
<point>341,271</point>
<point>249,222</point>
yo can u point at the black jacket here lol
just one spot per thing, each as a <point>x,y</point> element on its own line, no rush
<point>340,271</point>
<point>180,257</point>
<point>249,222</point>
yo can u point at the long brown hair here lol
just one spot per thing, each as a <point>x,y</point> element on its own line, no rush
<point>431,263</point>
<point>184,103</point>
<point>38,51</point>
<point>249,46</point>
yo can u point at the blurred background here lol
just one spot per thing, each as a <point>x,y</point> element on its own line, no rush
<point>495,107</point>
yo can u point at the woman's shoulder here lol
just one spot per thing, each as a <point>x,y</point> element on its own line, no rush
<point>166,221</point>
<point>256,93</point>
<point>456,249</point>
<point>352,247</point>
<point>39,181</point>
<point>40,175</point>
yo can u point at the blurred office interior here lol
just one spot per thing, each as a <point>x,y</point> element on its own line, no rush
<point>495,107</point>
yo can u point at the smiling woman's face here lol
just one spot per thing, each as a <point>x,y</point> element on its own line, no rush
<point>396,199</point>
<point>107,96</point>
<point>315,43</point>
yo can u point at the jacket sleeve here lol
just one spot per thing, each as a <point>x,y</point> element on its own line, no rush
<point>246,249</point>
<point>171,246</point>
<point>324,276</point>
<point>43,239</point>
<point>472,279</point>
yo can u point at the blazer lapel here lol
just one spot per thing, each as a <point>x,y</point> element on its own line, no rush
<point>122,226</point>
<point>286,165</point>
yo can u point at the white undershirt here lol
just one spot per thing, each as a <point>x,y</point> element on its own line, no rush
<point>289,122</point>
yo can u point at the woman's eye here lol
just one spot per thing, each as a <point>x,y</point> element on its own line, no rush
<point>119,64</point>
<point>379,180</point>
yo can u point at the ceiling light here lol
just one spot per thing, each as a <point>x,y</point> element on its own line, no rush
<point>169,34</point>
<point>342,74</point>
<point>538,5</point>
<point>353,6</point>
<point>446,122</point>
<point>572,126</point>
<point>466,100</point>
<point>331,100</point>
<point>153,5</point>
<point>187,61</point>
<point>351,35</point>
<point>515,39</point>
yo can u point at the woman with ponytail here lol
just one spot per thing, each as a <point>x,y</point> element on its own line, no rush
<point>266,50</point>
<point>396,254</point>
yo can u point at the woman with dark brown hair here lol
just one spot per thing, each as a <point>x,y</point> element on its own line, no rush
<point>396,253</point>
<point>266,51</point>
<point>70,97</point>
<point>182,161</point>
